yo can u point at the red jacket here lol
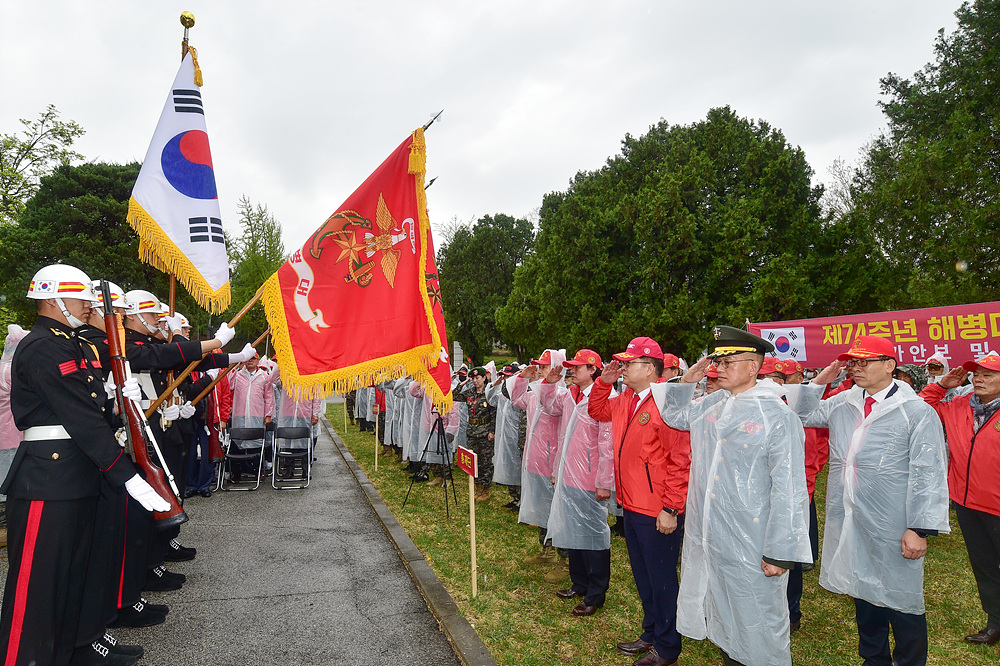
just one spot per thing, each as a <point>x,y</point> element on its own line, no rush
<point>652,460</point>
<point>817,455</point>
<point>973,457</point>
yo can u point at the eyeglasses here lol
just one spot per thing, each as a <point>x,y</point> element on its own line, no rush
<point>724,363</point>
<point>863,362</point>
<point>935,366</point>
<point>630,363</point>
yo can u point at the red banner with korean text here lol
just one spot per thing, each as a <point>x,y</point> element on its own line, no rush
<point>960,332</point>
<point>353,306</point>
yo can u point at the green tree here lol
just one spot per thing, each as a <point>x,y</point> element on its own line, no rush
<point>690,226</point>
<point>254,256</point>
<point>476,267</point>
<point>42,145</point>
<point>928,190</point>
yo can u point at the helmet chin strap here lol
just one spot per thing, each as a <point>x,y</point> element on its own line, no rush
<point>70,319</point>
<point>153,330</point>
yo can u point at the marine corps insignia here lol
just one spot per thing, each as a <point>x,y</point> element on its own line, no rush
<point>643,418</point>
<point>997,426</point>
<point>717,332</point>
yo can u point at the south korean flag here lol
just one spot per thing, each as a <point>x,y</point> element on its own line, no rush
<point>789,343</point>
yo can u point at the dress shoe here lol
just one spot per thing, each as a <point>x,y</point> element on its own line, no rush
<point>140,614</point>
<point>582,609</point>
<point>653,659</point>
<point>634,648</point>
<point>188,493</point>
<point>568,593</point>
<point>987,636</point>
<point>207,492</point>
<point>794,626</point>
<point>128,650</point>
<point>178,553</point>
<point>99,654</point>
<point>158,580</point>
<point>158,608</point>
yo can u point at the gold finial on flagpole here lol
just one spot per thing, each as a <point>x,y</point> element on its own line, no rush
<point>187,20</point>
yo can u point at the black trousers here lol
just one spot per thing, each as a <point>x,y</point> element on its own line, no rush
<point>48,549</point>
<point>981,532</point>
<point>909,631</point>
<point>653,557</point>
<point>590,571</point>
<point>100,599</point>
<point>794,590</point>
<point>140,535</point>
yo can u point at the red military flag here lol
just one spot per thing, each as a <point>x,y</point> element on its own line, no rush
<point>359,302</point>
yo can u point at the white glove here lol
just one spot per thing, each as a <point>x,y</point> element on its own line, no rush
<point>132,390</point>
<point>173,323</point>
<point>144,494</point>
<point>225,334</point>
<point>170,413</point>
<point>213,373</point>
<point>245,354</point>
<point>187,410</point>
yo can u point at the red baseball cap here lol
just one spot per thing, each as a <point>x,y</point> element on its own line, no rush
<point>991,362</point>
<point>791,366</point>
<point>544,359</point>
<point>771,365</point>
<point>585,357</point>
<point>869,346</point>
<point>712,372</point>
<point>671,361</point>
<point>638,348</point>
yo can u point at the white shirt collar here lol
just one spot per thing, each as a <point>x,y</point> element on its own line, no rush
<point>642,394</point>
<point>586,391</point>
<point>883,394</point>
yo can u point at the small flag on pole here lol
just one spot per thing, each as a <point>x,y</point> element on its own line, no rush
<point>359,302</point>
<point>175,206</point>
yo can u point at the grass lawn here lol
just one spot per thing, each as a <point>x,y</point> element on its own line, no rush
<point>523,622</point>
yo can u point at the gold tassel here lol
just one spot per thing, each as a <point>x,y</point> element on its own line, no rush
<point>418,154</point>
<point>198,80</point>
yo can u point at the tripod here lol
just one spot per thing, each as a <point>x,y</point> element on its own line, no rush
<point>442,451</point>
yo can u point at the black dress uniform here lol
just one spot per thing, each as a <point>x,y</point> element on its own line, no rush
<point>58,399</point>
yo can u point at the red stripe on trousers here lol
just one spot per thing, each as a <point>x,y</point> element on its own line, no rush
<point>23,576</point>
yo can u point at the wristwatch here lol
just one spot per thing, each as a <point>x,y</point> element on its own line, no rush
<point>672,512</point>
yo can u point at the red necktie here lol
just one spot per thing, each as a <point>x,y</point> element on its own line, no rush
<point>869,402</point>
<point>631,408</point>
<point>579,397</point>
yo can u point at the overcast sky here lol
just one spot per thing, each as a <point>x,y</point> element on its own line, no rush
<point>305,98</point>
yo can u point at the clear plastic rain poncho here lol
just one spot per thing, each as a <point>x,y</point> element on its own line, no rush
<point>398,430</point>
<point>747,500</point>
<point>428,449</point>
<point>506,453</point>
<point>887,474</point>
<point>411,422</point>
<point>538,465</point>
<point>586,462</point>
<point>10,436</point>
<point>362,403</point>
<point>253,399</point>
<point>297,413</point>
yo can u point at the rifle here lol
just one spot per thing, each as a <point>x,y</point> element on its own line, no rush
<point>137,431</point>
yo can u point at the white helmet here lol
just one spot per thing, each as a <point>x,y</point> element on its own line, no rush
<point>60,281</point>
<point>184,320</point>
<point>117,294</point>
<point>140,300</point>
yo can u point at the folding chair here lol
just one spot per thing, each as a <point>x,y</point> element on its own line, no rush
<point>236,454</point>
<point>289,455</point>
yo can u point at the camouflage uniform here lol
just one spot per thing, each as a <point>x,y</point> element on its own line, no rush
<point>482,422</point>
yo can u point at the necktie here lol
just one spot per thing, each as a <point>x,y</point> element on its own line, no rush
<point>635,403</point>
<point>579,397</point>
<point>869,402</point>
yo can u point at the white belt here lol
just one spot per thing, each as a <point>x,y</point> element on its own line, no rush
<point>39,433</point>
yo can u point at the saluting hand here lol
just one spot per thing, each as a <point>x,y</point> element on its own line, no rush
<point>828,374</point>
<point>954,378</point>
<point>697,371</point>
<point>612,372</point>
<point>554,375</point>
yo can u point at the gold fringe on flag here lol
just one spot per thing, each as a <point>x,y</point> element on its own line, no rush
<point>158,250</point>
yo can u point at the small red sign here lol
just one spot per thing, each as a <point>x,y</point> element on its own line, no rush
<point>467,461</point>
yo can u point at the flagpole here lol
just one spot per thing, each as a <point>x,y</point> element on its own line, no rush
<point>187,371</point>
<point>226,371</point>
<point>187,20</point>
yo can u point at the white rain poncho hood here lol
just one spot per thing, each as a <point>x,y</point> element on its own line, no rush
<point>746,500</point>
<point>586,462</point>
<point>506,454</point>
<point>887,473</point>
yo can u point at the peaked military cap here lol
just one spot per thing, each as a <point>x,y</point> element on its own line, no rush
<point>729,341</point>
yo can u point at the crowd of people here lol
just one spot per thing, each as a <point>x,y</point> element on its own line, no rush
<point>89,532</point>
<point>714,467</point>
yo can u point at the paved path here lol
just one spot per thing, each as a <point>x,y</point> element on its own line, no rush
<point>292,577</point>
